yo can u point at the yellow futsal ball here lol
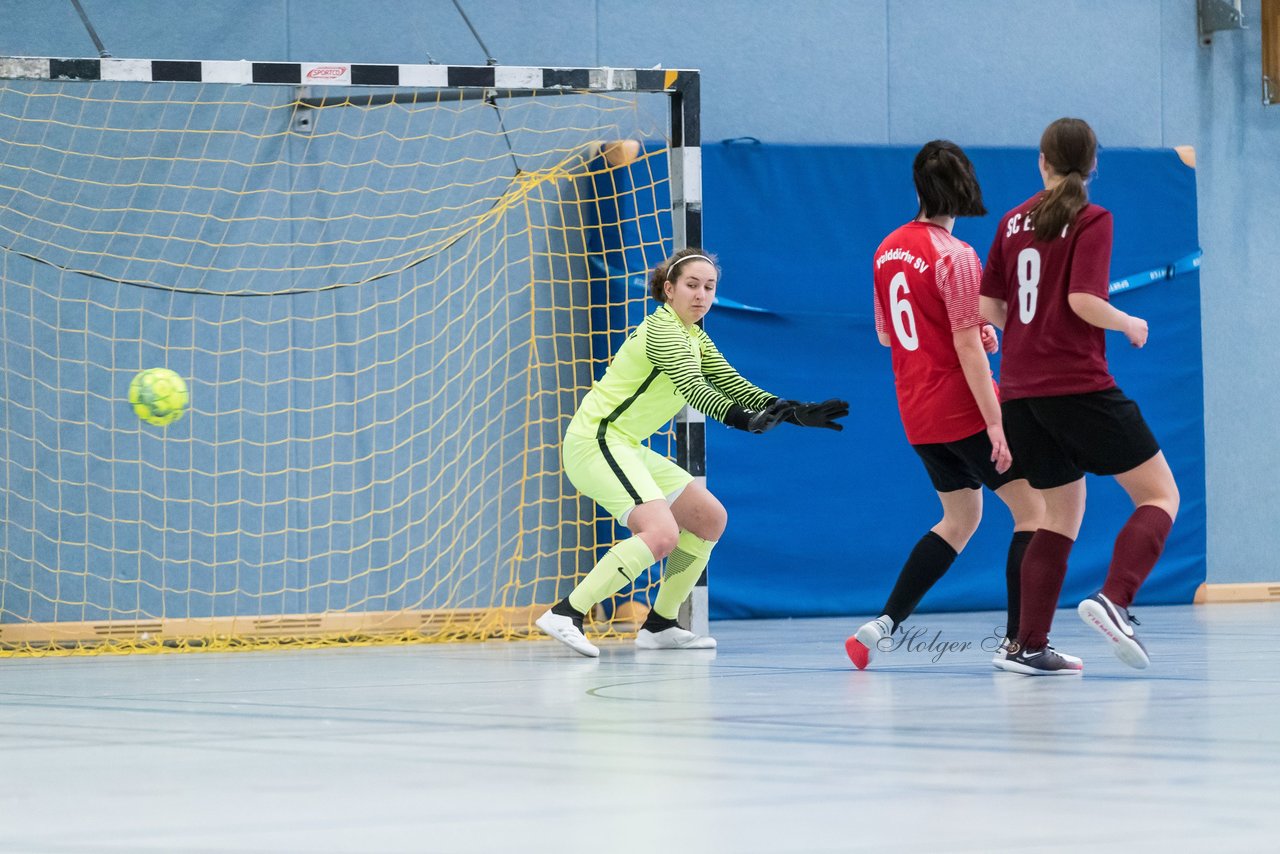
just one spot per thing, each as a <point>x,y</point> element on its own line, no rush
<point>158,395</point>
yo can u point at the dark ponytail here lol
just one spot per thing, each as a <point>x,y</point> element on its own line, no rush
<point>669,269</point>
<point>1070,149</point>
<point>945,181</point>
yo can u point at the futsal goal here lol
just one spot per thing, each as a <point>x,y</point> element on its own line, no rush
<point>387,288</point>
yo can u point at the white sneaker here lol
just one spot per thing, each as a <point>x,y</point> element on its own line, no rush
<point>562,629</point>
<point>673,638</point>
<point>865,641</point>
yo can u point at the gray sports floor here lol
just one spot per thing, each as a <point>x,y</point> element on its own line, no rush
<point>772,743</point>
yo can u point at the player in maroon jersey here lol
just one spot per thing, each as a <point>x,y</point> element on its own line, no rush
<point>926,309</point>
<point>1046,283</point>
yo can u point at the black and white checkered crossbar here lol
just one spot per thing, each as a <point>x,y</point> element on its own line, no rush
<point>517,78</point>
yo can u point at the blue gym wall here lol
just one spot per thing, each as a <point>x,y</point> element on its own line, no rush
<point>820,522</point>
<point>854,72</point>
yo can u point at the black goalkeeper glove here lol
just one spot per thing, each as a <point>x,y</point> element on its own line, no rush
<point>760,420</point>
<point>819,414</point>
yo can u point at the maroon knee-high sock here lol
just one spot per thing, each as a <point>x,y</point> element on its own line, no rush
<point>1043,567</point>
<point>1138,547</point>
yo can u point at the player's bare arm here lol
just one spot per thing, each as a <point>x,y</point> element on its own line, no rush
<point>990,343</point>
<point>994,311</point>
<point>977,373</point>
<point>1096,311</point>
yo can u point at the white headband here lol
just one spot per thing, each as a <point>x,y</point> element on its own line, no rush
<point>681,260</point>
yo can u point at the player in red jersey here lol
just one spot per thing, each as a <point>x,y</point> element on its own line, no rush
<point>1046,283</point>
<point>926,309</point>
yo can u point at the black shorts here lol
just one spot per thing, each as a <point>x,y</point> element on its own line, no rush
<point>964,464</point>
<point>1057,439</point>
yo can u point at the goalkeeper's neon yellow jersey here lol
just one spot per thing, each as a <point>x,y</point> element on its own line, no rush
<point>659,368</point>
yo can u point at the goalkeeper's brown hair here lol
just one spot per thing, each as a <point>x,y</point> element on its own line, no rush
<point>669,270</point>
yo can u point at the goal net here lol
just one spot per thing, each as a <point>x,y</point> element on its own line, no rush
<point>387,288</point>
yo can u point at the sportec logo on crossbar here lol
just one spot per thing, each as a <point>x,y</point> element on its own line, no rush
<point>917,639</point>
<point>326,72</point>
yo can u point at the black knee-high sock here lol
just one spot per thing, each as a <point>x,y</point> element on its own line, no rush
<point>928,562</point>
<point>1013,581</point>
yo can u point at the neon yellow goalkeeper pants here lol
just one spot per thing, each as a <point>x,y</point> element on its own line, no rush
<point>620,474</point>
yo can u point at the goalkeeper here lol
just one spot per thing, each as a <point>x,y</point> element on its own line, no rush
<point>666,362</point>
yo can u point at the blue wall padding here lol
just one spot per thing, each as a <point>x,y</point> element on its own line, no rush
<point>820,522</point>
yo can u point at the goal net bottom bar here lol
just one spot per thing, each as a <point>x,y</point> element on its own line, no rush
<point>285,630</point>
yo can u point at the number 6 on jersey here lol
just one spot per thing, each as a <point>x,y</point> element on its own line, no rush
<point>904,322</point>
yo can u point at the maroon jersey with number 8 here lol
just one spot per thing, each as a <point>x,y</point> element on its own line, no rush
<point>1048,350</point>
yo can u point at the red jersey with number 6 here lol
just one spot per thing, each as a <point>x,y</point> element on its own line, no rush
<point>1048,350</point>
<point>926,287</point>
